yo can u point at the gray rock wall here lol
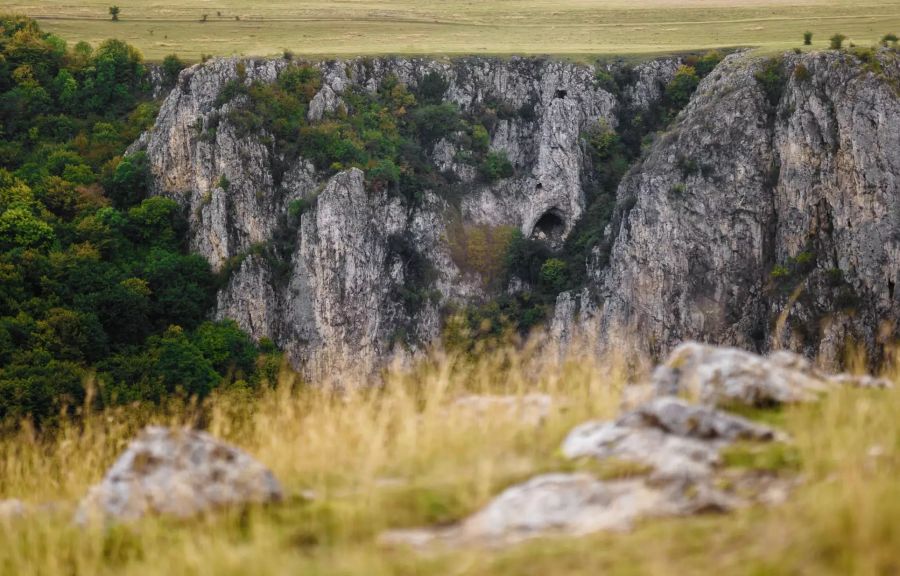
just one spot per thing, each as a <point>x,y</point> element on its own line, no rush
<point>809,184</point>
<point>735,188</point>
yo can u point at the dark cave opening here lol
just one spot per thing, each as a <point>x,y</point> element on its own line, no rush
<point>550,228</point>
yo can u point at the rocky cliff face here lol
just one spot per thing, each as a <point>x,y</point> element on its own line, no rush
<point>753,199</point>
<point>759,204</point>
<point>340,301</point>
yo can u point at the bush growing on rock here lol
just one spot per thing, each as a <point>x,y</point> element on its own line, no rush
<point>495,166</point>
<point>554,274</point>
<point>837,41</point>
<point>432,88</point>
<point>172,66</point>
<point>682,86</point>
<point>771,77</point>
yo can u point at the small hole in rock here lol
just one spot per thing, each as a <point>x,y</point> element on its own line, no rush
<point>561,93</point>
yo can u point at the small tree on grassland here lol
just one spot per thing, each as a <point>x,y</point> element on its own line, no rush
<point>807,38</point>
<point>114,12</point>
<point>837,41</point>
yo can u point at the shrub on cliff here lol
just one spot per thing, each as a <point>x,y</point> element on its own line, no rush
<point>495,166</point>
<point>771,77</point>
<point>682,86</point>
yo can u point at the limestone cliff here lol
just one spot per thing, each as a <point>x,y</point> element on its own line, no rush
<point>766,190</point>
<point>777,189</point>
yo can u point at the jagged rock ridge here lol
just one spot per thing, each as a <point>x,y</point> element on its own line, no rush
<point>755,203</point>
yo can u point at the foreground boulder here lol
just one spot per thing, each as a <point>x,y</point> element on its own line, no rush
<point>567,504</point>
<point>728,376</point>
<point>177,472</point>
<point>668,435</point>
<point>667,450</point>
<point>670,449</point>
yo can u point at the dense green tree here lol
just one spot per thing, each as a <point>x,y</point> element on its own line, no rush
<point>682,86</point>
<point>181,366</point>
<point>86,286</point>
<point>127,184</point>
<point>172,65</point>
<point>20,228</point>
<point>226,346</point>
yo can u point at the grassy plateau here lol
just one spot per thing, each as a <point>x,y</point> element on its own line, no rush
<point>356,463</point>
<point>565,27</point>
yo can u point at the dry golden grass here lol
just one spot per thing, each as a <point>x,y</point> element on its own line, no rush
<point>399,455</point>
<point>563,27</point>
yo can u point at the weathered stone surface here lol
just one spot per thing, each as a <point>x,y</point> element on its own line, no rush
<point>566,504</point>
<point>723,376</point>
<point>177,472</point>
<point>307,305</point>
<point>667,434</point>
<point>741,184</point>
<point>677,442</point>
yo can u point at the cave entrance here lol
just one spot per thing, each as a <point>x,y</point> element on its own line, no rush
<point>550,228</point>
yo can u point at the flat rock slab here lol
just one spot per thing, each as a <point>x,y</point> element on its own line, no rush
<point>669,435</point>
<point>728,376</point>
<point>565,504</point>
<point>177,472</point>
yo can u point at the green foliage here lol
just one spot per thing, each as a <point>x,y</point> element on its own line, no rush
<point>94,277</point>
<point>554,274</point>
<point>21,229</point>
<point>481,139</point>
<point>807,38</point>
<point>495,166</point>
<point>297,207</point>
<point>172,66</point>
<point>706,63</point>
<point>889,38</point>
<point>771,77</point>
<point>418,274</point>
<point>837,41</point>
<point>780,272</point>
<point>869,58</point>
<point>432,88</point>
<point>477,329</point>
<point>226,347</point>
<point>435,121</point>
<point>127,185</point>
<point>770,457</point>
<point>525,257</point>
<point>606,81</point>
<point>801,73</point>
<point>609,159</point>
<point>682,86</point>
<point>114,12</point>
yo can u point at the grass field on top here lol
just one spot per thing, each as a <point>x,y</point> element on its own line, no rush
<point>563,27</point>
